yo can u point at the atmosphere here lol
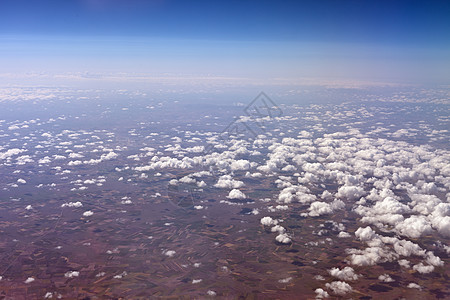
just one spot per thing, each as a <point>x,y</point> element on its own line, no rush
<point>399,41</point>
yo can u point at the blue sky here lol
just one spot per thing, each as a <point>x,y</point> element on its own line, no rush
<point>403,41</point>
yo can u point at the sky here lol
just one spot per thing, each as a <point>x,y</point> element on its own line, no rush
<point>393,41</point>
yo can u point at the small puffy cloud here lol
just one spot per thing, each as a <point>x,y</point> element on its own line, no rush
<point>241,164</point>
<point>226,181</point>
<point>75,163</point>
<point>433,259</point>
<point>211,293</point>
<point>350,192</point>
<point>268,221</point>
<point>285,280</point>
<point>408,248</point>
<point>10,152</point>
<point>29,280</point>
<point>414,227</point>
<point>390,206</point>
<point>346,273</point>
<point>319,208</point>
<point>195,281</point>
<point>169,253</point>
<point>21,181</point>
<point>423,269</point>
<point>365,234</point>
<point>370,256</point>
<point>44,160</point>
<point>278,228</point>
<point>88,213</point>
<point>404,263</point>
<point>283,238</point>
<point>344,234</point>
<point>385,278</point>
<point>320,293</point>
<point>339,287</point>
<point>236,194</point>
<point>108,156</point>
<point>72,204</point>
<point>13,127</point>
<point>72,274</point>
<point>75,155</point>
<point>413,285</point>
<point>29,207</point>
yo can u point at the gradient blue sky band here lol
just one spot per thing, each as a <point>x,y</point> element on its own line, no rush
<point>391,40</point>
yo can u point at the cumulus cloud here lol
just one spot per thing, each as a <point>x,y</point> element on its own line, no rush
<point>320,293</point>
<point>414,285</point>
<point>236,194</point>
<point>423,269</point>
<point>319,208</point>
<point>344,234</point>
<point>283,238</point>
<point>241,164</point>
<point>404,263</point>
<point>414,226</point>
<point>29,280</point>
<point>72,274</point>
<point>11,152</point>
<point>370,256</point>
<point>268,221</point>
<point>88,213</point>
<point>169,253</point>
<point>226,181</point>
<point>365,234</point>
<point>385,278</point>
<point>350,192</point>
<point>346,273</point>
<point>339,287</point>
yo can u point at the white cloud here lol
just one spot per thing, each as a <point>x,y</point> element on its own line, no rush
<point>285,280</point>
<point>11,152</point>
<point>339,287</point>
<point>109,156</point>
<point>350,192</point>
<point>414,227</point>
<point>346,273</point>
<point>283,238</point>
<point>29,280</point>
<point>241,164</point>
<point>413,285</point>
<point>88,213</point>
<point>365,234</point>
<point>236,194</point>
<point>268,221</point>
<point>385,278</point>
<point>226,181</point>
<point>423,269</point>
<point>72,274</point>
<point>319,208</point>
<point>320,293</point>
<point>404,263</point>
<point>278,228</point>
<point>169,253</point>
<point>344,234</point>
